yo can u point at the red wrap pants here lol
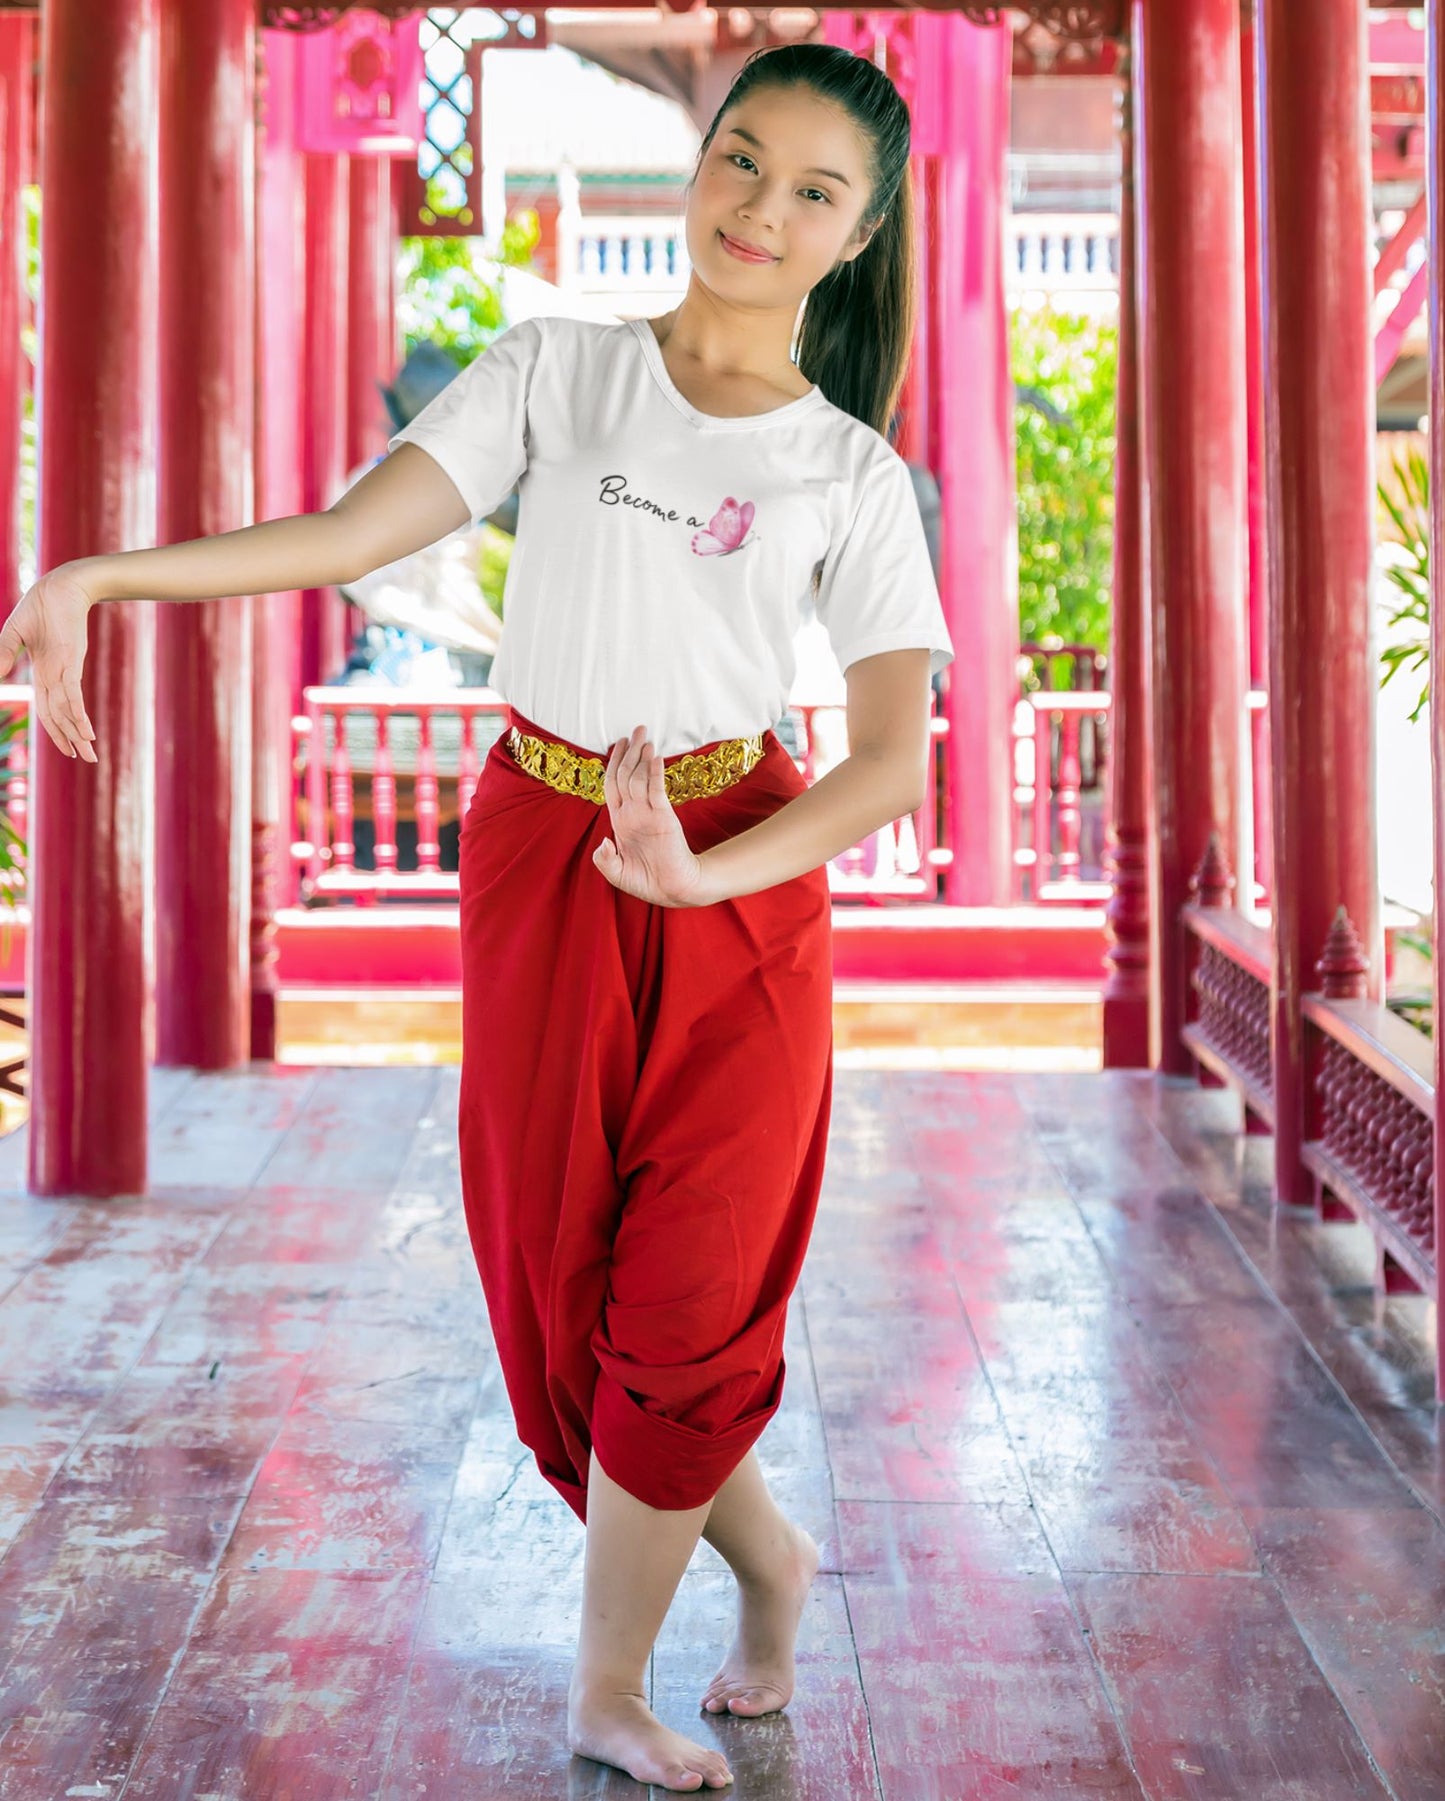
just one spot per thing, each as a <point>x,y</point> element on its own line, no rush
<point>645,1096</point>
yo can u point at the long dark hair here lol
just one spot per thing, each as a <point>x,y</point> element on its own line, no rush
<point>858,320</point>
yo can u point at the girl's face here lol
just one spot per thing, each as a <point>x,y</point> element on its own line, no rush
<point>785,174</point>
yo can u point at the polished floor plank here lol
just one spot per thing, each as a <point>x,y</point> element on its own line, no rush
<point>1124,1481</point>
<point>979,1682</point>
<point>1216,1691</point>
<point>1367,1591</point>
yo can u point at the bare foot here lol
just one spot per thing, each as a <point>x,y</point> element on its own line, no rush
<point>621,1729</point>
<point>757,1674</point>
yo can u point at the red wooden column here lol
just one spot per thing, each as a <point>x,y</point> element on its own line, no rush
<point>323,612</point>
<point>17,57</point>
<point>1435,184</point>
<point>89,974</point>
<point>976,460</point>
<point>1319,432</point>
<point>1126,991</point>
<point>203,649</point>
<point>1191,398</point>
<point>371,339</point>
<point>1258,588</point>
<point>276,622</point>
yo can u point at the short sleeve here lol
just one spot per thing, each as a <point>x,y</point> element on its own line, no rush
<point>476,428</point>
<point>877,589</point>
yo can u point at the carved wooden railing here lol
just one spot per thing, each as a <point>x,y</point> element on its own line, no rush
<point>353,746</point>
<point>1227,1010</point>
<point>1370,1134</point>
<point>1369,1078</point>
<point>1048,790</point>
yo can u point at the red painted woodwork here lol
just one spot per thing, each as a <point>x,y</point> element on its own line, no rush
<point>1393,257</point>
<point>360,87</point>
<point>324,394</point>
<point>1435,125</point>
<point>373,345</point>
<point>373,341</point>
<point>1228,1027</point>
<point>17,81</point>
<point>1400,318</point>
<point>90,974</point>
<point>974,398</point>
<point>1126,993</point>
<point>276,618</point>
<point>1191,333</point>
<point>1047,853</point>
<point>1320,438</point>
<point>1368,1144</point>
<point>898,862</point>
<point>1257,590</point>
<point>203,652</point>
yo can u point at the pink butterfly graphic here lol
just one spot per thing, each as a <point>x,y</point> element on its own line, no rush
<point>727,530</point>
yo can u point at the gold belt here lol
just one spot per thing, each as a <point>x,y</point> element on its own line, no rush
<point>691,775</point>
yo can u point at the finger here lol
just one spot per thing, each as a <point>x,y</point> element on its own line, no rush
<point>66,736</point>
<point>42,713</point>
<point>77,726</point>
<point>76,745</point>
<point>629,757</point>
<point>75,704</point>
<point>640,775</point>
<point>657,786</point>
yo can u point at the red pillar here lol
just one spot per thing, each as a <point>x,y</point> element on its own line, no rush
<point>323,613</point>
<point>976,471</point>
<point>276,623</point>
<point>372,350</point>
<point>17,59</point>
<point>1258,587</point>
<point>1435,184</point>
<point>1126,991</point>
<point>1319,429</point>
<point>1191,373</point>
<point>90,865</point>
<point>203,650</point>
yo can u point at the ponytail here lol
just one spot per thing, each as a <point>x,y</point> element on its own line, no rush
<point>858,321</point>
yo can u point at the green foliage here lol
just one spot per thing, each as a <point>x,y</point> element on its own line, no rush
<point>1408,509</point>
<point>1065,473</point>
<point>447,287</point>
<point>447,293</point>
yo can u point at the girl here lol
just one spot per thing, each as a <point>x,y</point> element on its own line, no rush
<point>645,927</point>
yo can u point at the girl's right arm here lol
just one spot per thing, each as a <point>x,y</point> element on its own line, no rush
<point>405,503</point>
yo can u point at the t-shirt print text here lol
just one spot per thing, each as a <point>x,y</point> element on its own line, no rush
<point>729,529</point>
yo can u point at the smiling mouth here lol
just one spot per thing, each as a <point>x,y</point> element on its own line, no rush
<point>745,251</point>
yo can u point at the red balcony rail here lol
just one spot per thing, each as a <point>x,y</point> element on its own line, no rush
<point>369,762</point>
<point>1369,1142</point>
<point>1058,816</point>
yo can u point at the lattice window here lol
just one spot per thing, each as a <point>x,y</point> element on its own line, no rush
<point>442,195</point>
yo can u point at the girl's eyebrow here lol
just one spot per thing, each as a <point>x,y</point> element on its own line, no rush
<point>832,174</point>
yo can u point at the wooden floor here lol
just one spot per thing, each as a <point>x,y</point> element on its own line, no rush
<point>1124,1487</point>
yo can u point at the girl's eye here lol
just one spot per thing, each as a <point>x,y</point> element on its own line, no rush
<point>734,156</point>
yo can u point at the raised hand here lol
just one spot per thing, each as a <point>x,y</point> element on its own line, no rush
<point>50,623</point>
<point>647,856</point>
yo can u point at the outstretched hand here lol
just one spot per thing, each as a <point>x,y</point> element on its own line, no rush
<point>647,856</point>
<point>50,623</point>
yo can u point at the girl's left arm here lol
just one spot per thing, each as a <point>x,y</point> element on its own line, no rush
<point>884,776</point>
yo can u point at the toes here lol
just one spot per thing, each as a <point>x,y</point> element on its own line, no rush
<point>752,1700</point>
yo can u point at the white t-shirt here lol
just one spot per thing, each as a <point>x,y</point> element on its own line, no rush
<point>664,557</point>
